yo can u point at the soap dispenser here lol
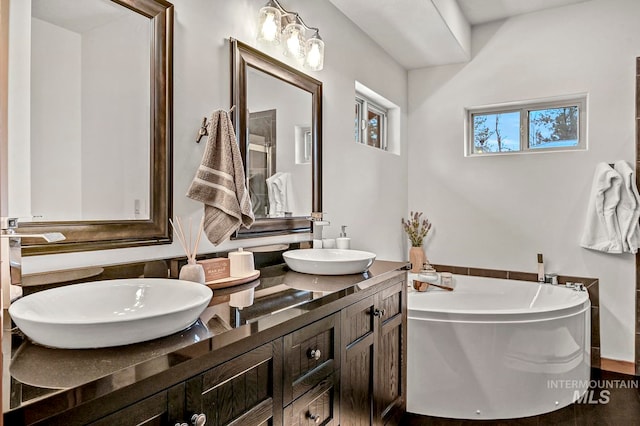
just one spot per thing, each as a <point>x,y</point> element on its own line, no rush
<point>343,242</point>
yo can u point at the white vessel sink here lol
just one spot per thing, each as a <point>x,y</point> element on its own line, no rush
<point>328,261</point>
<point>109,313</point>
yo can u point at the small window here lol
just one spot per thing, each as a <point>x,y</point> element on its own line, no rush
<point>370,123</point>
<point>377,120</point>
<point>528,127</point>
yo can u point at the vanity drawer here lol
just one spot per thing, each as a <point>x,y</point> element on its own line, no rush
<point>310,354</point>
<point>319,406</point>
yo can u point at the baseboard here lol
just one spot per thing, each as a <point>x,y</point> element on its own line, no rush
<point>617,366</point>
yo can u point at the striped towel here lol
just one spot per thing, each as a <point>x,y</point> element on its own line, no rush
<point>220,183</point>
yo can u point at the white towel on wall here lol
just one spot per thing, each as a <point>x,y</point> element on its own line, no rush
<point>284,183</point>
<point>628,209</point>
<point>280,189</point>
<point>601,230</point>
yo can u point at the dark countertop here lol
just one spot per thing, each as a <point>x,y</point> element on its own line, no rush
<point>40,378</point>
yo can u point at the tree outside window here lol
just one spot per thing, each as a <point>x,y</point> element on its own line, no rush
<point>541,126</point>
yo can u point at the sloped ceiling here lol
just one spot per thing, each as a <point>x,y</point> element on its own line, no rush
<point>423,33</point>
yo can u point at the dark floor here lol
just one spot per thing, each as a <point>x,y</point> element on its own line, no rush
<point>623,409</point>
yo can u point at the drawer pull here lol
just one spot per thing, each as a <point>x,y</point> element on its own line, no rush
<point>314,354</point>
<point>198,419</point>
<point>378,312</point>
<point>314,417</point>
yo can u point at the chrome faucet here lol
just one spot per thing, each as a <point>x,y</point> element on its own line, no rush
<point>9,226</point>
<point>317,224</point>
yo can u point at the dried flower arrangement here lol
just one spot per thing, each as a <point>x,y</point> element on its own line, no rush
<point>416,228</point>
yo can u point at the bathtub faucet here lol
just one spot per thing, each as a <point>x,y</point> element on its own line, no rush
<point>576,286</point>
<point>540,268</point>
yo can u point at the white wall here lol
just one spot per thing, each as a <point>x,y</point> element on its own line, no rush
<point>297,112</point>
<point>18,103</point>
<point>55,121</point>
<point>293,107</point>
<point>499,211</point>
<point>364,188</point>
<point>115,118</point>
<point>64,76</point>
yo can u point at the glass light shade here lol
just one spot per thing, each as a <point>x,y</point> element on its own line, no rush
<point>269,25</point>
<point>294,41</point>
<point>315,53</point>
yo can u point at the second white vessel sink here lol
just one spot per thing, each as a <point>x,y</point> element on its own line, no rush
<point>109,313</point>
<point>328,261</point>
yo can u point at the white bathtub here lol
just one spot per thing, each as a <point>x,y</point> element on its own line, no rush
<point>497,349</point>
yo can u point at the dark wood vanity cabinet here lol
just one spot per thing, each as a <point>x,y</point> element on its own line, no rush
<point>244,391</point>
<point>311,373</point>
<point>373,374</point>
<point>342,362</point>
<point>310,354</point>
<point>320,405</point>
<point>157,410</point>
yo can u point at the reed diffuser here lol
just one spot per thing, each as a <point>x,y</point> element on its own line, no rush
<point>192,271</point>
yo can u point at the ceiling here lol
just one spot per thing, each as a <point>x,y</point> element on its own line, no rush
<point>422,33</point>
<point>77,16</point>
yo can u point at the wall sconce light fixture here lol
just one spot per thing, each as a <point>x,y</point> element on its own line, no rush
<point>275,25</point>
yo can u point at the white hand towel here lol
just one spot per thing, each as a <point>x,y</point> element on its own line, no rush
<point>601,230</point>
<point>628,209</point>
<point>220,182</point>
<point>275,201</point>
<point>281,194</point>
<point>285,188</point>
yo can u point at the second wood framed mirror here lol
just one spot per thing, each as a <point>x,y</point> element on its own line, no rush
<point>278,123</point>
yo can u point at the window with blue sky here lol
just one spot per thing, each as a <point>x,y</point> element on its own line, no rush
<point>541,126</point>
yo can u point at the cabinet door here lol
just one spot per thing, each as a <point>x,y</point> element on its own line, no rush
<point>162,409</point>
<point>390,381</point>
<point>356,379</point>
<point>373,369</point>
<point>246,390</point>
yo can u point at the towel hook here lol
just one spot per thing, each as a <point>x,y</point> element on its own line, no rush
<point>204,126</point>
<point>203,130</point>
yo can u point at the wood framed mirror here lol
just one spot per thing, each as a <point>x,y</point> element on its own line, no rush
<point>132,134</point>
<point>278,123</point>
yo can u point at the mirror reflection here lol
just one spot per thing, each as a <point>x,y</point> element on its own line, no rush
<point>279,146</point>
<point>95,86</point>
<point>90,111</point>
<point>278,122</point>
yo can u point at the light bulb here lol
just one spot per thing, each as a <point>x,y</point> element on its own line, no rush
<point>269,28</point>
<point>269,25</point>
<point>315,53</point>
<point>294,41</point>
